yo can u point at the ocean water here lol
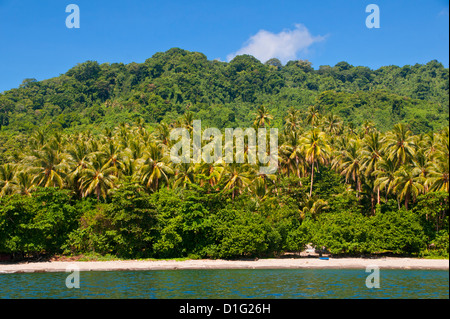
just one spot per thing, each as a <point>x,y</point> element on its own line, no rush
<point>233,284</point>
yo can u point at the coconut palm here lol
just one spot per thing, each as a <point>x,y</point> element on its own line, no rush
<point>313,207</point>
<point>154,167</point>
<point>384,175</point>
<point>313,116</point>
<point>209,172</point>
<point>316,150</point>
<point>7,179</point>
<point>262,117</point>
<point>98,177</point>
<point>371,155</point>
<point>49,167</point>
<point>292,120</point>
<point>184,175</point>
<point>292,157</point>
<point>408,183</point>
<point>24,181</point>
<point>114,156</point>
<point>236,178</point>
<point>400,145</point>
<point>332,124</point>
<point>349,164</point>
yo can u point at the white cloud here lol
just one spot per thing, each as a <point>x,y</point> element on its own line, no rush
<point>285,45</point>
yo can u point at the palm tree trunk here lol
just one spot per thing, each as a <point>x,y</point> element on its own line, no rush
<point>378,195</point>
<point>406,200</point>
<point>312,179</point>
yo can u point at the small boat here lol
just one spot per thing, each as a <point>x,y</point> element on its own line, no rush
<point>324,258</point>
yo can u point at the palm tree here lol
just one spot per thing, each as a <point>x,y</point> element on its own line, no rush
<point>7,179</point>
<point>292,120</point>
<point>439,176</point>
<point>114,156</point>
<point>400,145</point>
<point>236,177</point>
<point>332,124</point>
<point>210,172</point>
<point>24,183</point>
<point>313,116</point>
<point>371,155</point>
<point>162,133</point>
<point>349,164</point>
<point>367,127</point>
<point>422,162</point>
<point>262,117</point>
<point>292,158</point>
<point>313,206</point>
<point>408,183</point>
<point>188,121</point>
<point>49,167</point>
<point>384,175</point>
<point>184,175</point>
<point>263,183</point>
<point>98,177</point>
<point>316,150</point>
<point>154,167</point>
<point>439,170</point>
<point>78,159</point>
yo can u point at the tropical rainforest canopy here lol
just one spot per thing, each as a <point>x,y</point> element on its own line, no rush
<point>363,160</point>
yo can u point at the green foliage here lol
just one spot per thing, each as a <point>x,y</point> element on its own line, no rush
<point>397,232</point>
<point>170,83</point>
<point>37,224</point>
<point>363,160</point>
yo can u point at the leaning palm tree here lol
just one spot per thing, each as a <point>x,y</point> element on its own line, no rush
<point>408,183</point>
<point>438,176</point>
<point>316,150</point>
<point>98,177</point>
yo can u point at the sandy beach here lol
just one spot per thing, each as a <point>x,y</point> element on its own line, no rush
<point>282,263</point>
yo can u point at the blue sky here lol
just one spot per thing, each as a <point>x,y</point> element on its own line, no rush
<point>35,42</point>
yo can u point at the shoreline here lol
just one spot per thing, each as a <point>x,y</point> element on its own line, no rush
<point>273,263</point>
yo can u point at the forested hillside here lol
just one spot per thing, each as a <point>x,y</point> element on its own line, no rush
<point>224,94</point>
<point>363,160</point>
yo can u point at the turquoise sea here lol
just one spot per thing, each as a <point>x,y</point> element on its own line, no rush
<point>232,284</point>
